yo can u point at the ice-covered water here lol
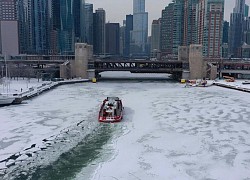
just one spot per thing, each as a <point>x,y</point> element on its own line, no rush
<point>168,132</point>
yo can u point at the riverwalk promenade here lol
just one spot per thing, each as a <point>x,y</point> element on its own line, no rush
<point>239,85</point>
<point>22,92</point>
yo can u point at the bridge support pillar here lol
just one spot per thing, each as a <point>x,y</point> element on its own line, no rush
<point>83,54</point>
<point>197,65</point>
<point>91,74</point>
<point>185,74</point>
<point>193,57</point>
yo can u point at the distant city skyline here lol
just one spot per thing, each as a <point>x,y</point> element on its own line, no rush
<point>117,10</point>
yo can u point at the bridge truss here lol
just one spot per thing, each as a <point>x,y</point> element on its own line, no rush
<point>138,66</point>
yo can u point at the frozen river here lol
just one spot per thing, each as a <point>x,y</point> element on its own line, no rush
<point>168,132</point>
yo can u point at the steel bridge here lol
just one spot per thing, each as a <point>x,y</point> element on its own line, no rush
<point>233,66</point>
<point>137,66</point>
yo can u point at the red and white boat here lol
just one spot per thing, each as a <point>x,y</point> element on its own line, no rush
<point>111,110</point>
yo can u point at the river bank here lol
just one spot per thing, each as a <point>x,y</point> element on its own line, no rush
<point>27,89</point>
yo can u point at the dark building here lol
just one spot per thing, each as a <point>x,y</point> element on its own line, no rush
<point>128,29</point>
<point>225,32</point>
<point>155,38</point>
<point>246,10</point>
<point>79,19</point>
<point>122,38</point>
<point>67,25</point>
<point>99,19</point>
<point>172,28</point>
<point>235,41</point>
<point>88,14</point>
<point>236,28</point>
<point>25,16</point>
<point>40,26</point>
<point>112,35</point>
<point>167,26</point>
<point>189,22</point>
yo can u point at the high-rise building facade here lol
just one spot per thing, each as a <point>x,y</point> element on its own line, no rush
<point>112,35</point>
<point>213,29</point>
<point>210,17</point>
<point>128,31</point>
<point>140,29</point>
<point>236,28</point>
<point>172,28</point>
<point>88,14</point>
<point>239,7</point>
<point>26,27</point>
<point>40,26</point>
<point>200,18</point>
<point>66,33</point>
<point>167,27</point>
<point>225,32</point>
<point>178,25</point>
<point>189,22</point>
<point>79,19</point>
<point>122,38</point>
<point>186,22</point>
<point>9,28</point>
<point>99,19</point>
<point>155,37</point>
<point>68,22</point>
<point>246,14</point>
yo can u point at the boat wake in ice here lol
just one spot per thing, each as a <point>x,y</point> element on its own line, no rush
<point>79,144</point>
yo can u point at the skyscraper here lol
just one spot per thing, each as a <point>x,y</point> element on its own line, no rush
<point>128,30</point>
<point>213,29</point>
<point>9,28</point>
<point>178,25</point>
<point>210,15</point>
<point>236,27</point>
<point>67,31</point>
<point>40,26</point>
<point>167,26</point>
<point>88,23</point>
<point>99,31</point>
<point>189,22</point>
<point>68,24</point>
<point>246,10</point>
<point>200,21</point>
<point>140,29</point>
<point>239,7</point>
<point>246,31</point>
<point>172,28</point>
<point>155,35</point>
<point>112,35</point>
<point>225,32</point>
<point>122,38</point>
<point>79,19</point>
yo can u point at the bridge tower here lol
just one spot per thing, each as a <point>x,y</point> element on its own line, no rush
<point>197,65</point>
<point>78,68</point>
<point>194,67</point>
<point>83,54</point>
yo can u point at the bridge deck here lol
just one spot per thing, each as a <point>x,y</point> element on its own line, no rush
<point>138,66</point>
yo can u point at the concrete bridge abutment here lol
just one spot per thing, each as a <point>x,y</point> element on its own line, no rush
<point>194,66</point>
<point>78,68</point>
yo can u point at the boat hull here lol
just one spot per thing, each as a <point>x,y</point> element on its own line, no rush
<point>110,120</point>
<point>5,100</point>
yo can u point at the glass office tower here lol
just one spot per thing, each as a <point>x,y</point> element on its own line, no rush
<point>140,29</point>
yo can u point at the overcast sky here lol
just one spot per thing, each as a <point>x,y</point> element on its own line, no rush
<point>116,10</point>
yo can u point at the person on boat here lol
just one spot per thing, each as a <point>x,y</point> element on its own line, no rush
<point>104,113</point>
